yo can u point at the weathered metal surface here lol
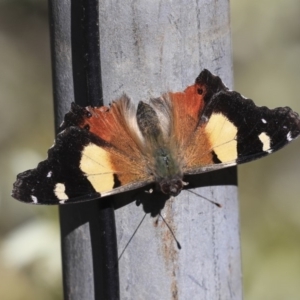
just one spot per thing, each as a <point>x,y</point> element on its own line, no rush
<point>147,48</point>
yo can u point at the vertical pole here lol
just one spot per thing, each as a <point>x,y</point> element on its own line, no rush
<point>89,250</point>
<point>147,48</point>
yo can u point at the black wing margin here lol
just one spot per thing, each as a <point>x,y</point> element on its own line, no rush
<point>240,127</point>
<point>58,179</point>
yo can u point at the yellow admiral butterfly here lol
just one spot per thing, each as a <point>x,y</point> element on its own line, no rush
<point>102,151</point>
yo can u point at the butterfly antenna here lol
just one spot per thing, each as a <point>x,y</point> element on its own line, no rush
<point>132,236</point>
<point>178,244</point>
<point>213,202</point>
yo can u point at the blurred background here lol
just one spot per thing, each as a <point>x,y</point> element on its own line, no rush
<point>266,55</point>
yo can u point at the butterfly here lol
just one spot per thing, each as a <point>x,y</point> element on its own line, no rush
<point>101,151</point>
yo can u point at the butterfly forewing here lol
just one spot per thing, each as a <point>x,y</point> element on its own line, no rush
<point>236,129</point>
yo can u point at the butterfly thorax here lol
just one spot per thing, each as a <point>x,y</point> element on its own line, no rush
<point>163,165</point>
<point>167,172</point>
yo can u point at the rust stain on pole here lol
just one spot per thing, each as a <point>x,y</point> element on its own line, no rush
<point>169,249</point>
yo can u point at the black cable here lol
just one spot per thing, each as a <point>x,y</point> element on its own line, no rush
<point>88,234</point>
<point>88,91</point>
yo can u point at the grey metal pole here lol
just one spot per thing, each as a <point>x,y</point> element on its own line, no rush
<point>147,48</point>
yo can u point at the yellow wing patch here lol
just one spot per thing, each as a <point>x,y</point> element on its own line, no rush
<point>222,137</point>
<point>95,161</point>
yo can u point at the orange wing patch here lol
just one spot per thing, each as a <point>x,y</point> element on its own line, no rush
<point>194,145</point>
<point>117,160</point>
<point>186,108</point>
<point>200,140</point>
<point>117,126</point>
<point>107,169</point>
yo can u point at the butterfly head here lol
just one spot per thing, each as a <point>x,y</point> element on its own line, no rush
<point>171,187</point>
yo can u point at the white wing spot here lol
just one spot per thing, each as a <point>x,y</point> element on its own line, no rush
<point>59,191</point>
<point>34,199</point>
<point>264,121</point>
<point>266,142</point>
<point>49,174</point>
<point>289,136</point>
